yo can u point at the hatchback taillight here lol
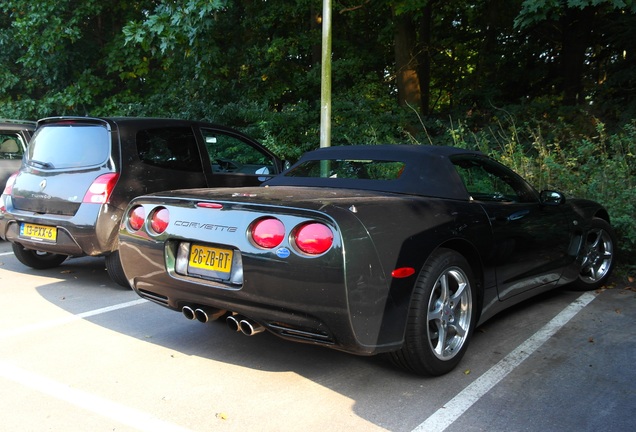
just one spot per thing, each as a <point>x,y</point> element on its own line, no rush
<point>159,220</point>
<point>99,192</point>
<point>136,218</point>
<point>268,232</point>
<point>8,188</point>
<point>313,238</point>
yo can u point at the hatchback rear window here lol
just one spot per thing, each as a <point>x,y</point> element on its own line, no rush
<point>69,146</point>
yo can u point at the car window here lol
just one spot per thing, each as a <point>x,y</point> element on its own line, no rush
<point>11,146</point>
<point>488,181</point>
<point>172,148</point>
<point>349,169</point>
<point>69,145</point>
<point>230,154</point>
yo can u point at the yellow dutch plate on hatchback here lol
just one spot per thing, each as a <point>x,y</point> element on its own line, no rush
<point>38,232</point>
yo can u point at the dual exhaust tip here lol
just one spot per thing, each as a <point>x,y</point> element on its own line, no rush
<point>203,315</point>
<point>234,322</point>
<point>244,325</point>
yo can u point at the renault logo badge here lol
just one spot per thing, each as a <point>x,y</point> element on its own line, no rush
<point>42,185</point>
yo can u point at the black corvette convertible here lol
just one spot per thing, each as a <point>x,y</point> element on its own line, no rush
<point>367,249</point>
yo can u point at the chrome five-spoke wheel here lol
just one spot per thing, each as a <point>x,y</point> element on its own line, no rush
<point>597,256</point>
<point>449,313</point>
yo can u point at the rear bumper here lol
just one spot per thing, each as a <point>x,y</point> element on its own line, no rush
<point>292,324</point>
<point>311,309</point>
<point>92,231</point>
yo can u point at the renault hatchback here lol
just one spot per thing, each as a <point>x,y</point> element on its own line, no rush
<point>79,174</point>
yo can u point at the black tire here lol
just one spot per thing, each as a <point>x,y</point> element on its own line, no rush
<point>597,256</point>
<point>37,259</point>
<point>443,301</point>
<point>115,269</point>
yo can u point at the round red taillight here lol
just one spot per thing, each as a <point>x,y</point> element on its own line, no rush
<point>313,238</point>
<point>268,233</point>
<point>136,218</point>
<point>159,220</point>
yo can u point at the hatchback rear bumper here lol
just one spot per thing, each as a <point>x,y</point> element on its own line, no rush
<point>90,232</point>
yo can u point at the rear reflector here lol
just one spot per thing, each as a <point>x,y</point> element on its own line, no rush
<point>403,272</point>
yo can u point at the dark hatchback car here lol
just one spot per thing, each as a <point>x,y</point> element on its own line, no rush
<point>79,174</point>
<point>14,137</point>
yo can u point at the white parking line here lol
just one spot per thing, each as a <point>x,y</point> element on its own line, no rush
<point>104,407</point>
<point>67,319</point>
<point>457,406</point>
<point>6,253</point>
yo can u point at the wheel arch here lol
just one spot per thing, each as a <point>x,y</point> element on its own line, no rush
<point>413,354</point>
<point>470,253</point>
<point>603,214</point>
<point>396,313</point>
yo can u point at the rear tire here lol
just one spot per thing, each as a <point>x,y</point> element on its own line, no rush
<point>115,269</point>
<point>37,259</point>
<point>441,318</point>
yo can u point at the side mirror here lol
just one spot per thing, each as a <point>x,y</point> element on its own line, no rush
<point>286,165</point>
<point>553,198</point>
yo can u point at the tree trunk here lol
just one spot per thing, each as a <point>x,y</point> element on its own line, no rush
<point>412,40</point>
<point>408,81</point>
<point>576,26</point>
<point>424,58</point>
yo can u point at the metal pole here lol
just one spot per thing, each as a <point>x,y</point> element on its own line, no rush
<point>325,81</point>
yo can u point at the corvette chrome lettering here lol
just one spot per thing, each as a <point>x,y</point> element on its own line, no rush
<point>207,226</point>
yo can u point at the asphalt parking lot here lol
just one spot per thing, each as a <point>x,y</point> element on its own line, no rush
<point>79,353</point>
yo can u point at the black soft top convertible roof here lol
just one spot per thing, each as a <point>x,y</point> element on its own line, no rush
<point>428,170</point>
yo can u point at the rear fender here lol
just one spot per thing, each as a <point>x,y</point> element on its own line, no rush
<point>453,233</point>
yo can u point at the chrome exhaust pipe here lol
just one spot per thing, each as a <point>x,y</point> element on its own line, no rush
<point>250,328</point>
<point>205,315</point>
<point>233,323</point>
<point>188,312</point>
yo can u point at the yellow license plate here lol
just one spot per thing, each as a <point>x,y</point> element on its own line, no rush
<point>211,258</point>
<point>40,232</point>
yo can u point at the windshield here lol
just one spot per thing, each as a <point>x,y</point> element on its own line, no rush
<point>348,169</point>
<point>75,145</point>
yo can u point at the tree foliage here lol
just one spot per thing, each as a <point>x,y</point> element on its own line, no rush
<point>193,57</point>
